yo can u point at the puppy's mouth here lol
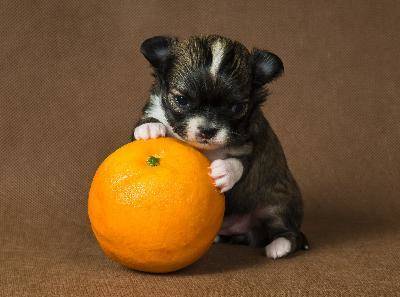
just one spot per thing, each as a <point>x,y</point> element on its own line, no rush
<point>204,134</point>
<point>207,143</point>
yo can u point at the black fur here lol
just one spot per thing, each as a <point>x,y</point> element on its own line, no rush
<point>183,67</point>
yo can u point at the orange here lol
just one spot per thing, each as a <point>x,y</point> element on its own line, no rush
<point>153,207</point>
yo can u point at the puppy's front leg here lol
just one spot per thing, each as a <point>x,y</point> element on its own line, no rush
<point>149,128</point>
<point>226,173</point>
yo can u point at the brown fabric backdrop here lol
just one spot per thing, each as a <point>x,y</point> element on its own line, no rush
<point>72,83</point>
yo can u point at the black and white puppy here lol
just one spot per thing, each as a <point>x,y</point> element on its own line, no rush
<point>207,92</point>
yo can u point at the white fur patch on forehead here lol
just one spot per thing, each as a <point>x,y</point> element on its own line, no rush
<point>217,50</point>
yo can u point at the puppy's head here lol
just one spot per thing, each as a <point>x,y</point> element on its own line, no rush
<point>208,87</point>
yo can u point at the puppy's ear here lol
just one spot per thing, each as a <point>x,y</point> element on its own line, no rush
<point>266,67</point>
<point>157,50</point>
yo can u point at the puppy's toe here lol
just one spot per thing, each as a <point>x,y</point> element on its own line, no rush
<point>225,183</point>
<point>278,248</point>
<point>157,130</point>
<point>218,171</point>
<point>141,132</point>
<point>218,163</point>
<point>150,130</point>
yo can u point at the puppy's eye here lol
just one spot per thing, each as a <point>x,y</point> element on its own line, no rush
<point>182,101</point>
<point>239,108</point>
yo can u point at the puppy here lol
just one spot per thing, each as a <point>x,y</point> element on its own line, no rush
<point>207,91</point>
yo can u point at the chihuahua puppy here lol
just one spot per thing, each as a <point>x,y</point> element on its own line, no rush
<point>207,91</point>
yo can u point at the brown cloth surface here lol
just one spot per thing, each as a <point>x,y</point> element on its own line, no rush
<point>72,83</point>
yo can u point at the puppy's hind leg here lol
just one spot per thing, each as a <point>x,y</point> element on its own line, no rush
<point>285,242</point>
<point>283,237</point>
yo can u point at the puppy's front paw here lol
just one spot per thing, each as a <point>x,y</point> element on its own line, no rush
<point>278,248</point>
<point>150,130</point>
<point>226,173</point>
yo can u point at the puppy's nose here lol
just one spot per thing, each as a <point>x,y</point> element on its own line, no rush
<point>207,133</point>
